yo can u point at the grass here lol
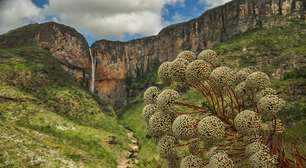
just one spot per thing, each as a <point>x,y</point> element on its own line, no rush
<point>46,121</point>
<point>132,118</point>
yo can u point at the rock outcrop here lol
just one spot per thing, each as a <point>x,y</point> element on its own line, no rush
<point>65,43</point>
<point>122,63</point>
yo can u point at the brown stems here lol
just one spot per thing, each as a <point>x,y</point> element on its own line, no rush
<point>192,106</point>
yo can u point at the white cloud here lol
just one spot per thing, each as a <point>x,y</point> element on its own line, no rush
<point>214,3</point>
<point>15,13</point>
<point>100,17</point>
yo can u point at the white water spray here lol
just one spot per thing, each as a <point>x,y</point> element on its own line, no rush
<point>93,71</point>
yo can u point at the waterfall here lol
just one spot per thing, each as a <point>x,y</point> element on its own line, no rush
<point>93,71</point>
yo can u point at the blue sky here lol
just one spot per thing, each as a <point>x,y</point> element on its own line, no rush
<point>170,14</point>
<point>40,2</point>
<point>99,19</point>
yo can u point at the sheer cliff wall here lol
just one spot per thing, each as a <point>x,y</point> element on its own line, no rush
<point>122,63</point>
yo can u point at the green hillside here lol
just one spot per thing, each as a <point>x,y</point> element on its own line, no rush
<point>48,120</point>
<point>278,51</point>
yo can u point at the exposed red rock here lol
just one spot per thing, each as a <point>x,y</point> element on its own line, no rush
<point>119,62</point>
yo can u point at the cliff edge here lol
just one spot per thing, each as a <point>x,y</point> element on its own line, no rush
<point>120,64</point>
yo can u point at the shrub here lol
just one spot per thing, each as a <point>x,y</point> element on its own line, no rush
<point>231,129</point>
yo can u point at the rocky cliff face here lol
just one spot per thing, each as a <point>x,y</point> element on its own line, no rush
<point>65,43</point>
<point>119,62</point>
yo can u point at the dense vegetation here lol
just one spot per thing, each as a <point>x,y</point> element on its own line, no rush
<point>49,120</point>
<point>278,51</point>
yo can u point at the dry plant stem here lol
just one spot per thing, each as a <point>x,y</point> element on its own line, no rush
<point>270,138</point>
<point>188,143</point>
<point>204,92</point>
<point>173,161</point>
<point>218,105</point>
<point>187,113</point>
<point>231,137</point>
<point>216,97</point>
<point>222,101</point>
<point>235,97</point>
<point>208,98</point>
<point>239,159</point>
<point>192,106</point>
<point>232,103</point>
<point>253,101</point>
<point>207,90</point>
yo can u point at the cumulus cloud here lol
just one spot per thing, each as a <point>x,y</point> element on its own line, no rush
<point>15,13</point>
<point>100,17</point>
<point>214,3</point>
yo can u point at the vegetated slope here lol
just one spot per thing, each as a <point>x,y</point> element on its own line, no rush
<point>47,119</point>
<point>279,51</point>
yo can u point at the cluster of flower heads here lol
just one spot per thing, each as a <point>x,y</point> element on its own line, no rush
<point>246,92</point>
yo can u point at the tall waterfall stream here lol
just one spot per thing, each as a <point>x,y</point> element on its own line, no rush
<point>93,71</point>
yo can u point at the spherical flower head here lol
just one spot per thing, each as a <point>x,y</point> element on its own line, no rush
<point>160,124</point>
<point>209,56</point>
<point>148,111</point>
<point>241,89</point>
<point>192,161</point>
<point>211,128</point>
<point>265,92</point>
<point>242,74</point>
<point>166,99</point>
<point>166,146</point>
<point>270,104</point>
<point>198,71</point>
<point>262,159</point>
<point>258,81</point>
<point>184,127</point>
<point>178,69</point>
<point>222,76</point>
<point>164,72</point>
<point>254,147</point>
<point>221,160</point>
<point>248,123</point>
<point>187,55</point>
<point>150,95</point>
